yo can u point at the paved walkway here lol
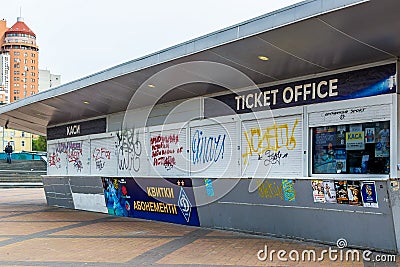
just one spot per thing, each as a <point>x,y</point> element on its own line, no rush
<point>33,234</point>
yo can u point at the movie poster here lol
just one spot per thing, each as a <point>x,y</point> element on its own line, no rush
<point>318,191</point>
<point>329,191</point>
<point>369,196</point>
<point>342,196</point>
<point>354,193</point>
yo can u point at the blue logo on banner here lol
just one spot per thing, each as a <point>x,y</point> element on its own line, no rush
<point>184,204</point>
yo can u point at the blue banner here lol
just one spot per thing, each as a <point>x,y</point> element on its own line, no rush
<point>168,200</point>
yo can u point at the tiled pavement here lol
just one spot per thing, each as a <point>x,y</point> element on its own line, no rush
<point>33,234</point>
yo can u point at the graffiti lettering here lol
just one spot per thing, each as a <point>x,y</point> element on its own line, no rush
<point>78,165</point>
<point>129,149</point>
<point>273,138</point>
<point>74,153</point>
<point>54,160</point>
<point>271,157</point>
<point>207,148</point>
<point>268,189</point>
<point>163,150</point>
<point>100,156</point>
<point>289,193</point>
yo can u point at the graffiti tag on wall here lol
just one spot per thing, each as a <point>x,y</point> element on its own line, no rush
<point>100,156</point>
<point>283,189</point>
<point>269,189</point>
<point>267,142</point>
<point>129,149</point>
<point>73,151</point>
<point>207,148</point>
<point>74,154</point>
<point>54,160</point>
<point>289,193</point>
<point>164,149</point>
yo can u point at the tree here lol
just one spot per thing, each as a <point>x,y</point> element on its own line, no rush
<point>39,144</point>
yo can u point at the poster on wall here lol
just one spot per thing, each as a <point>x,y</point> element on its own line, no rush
<point>369,135</point>
<point>342,196</point>
<point>116,197</point>
<point>382,146</point>
<point>369,196</point>
<point>324,159</point>
<point>318,191</point>
<point>329,191</point>
<point>340,158</point>
<point>355,128</point>
<point>170,200</point>
<point>354,193</point>
<point>355,141</point>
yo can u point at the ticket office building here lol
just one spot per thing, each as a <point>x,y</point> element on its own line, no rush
<point>317,162</point>
<point>310,153</point>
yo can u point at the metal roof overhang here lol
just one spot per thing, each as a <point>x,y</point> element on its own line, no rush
<point>310,37</point>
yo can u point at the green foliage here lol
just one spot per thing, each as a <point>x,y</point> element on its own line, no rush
<point>39,144</point>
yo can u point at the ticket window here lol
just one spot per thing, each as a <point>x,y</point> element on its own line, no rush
<point>362,148</point>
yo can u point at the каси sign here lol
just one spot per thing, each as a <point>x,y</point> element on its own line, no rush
<point>77,129</point>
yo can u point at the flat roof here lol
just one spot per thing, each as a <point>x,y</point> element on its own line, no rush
<point>310,37</point>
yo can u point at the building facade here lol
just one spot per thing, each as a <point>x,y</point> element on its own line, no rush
<point>20,43</point>
<point>19,74</point>
<point>19,140</point>
<point>4,78</point>
<point>259,127</point>
<point>48,80</point>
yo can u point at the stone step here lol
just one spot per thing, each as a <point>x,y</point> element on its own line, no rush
<point>27,165</point>
<point>25,179</point>
<point>21,185</point>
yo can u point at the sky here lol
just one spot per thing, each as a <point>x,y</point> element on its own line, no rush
<point>79,38</point>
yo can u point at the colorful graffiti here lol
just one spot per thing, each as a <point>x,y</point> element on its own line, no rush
<point>209,187</point>
<point>283,189</point>
<point>129,149</point>
<point>164,149</point>
<point>207,148</point>
<point>100,156</point>
<point>272,138</point>
<point>54,160</point>
<point>74,154</point>
<point>73,151</point>
<point>289,192</point>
